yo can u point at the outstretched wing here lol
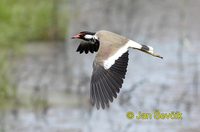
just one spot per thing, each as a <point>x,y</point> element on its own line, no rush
<point>106,83</point>
<point>88,47</point>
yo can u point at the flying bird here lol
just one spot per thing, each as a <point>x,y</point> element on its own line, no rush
<point>110,63</point>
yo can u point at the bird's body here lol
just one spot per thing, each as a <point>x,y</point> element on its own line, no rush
<point>110,64</point>
<point>109,45</point>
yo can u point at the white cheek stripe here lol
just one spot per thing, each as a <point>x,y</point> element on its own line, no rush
<point>88,36</point>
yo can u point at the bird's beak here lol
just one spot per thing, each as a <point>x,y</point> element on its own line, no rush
<point>77,36</point>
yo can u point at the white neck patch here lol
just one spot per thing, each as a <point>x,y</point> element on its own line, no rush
<point>95,37</point>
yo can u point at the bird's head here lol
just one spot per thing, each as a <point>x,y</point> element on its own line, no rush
<point>85,35</point>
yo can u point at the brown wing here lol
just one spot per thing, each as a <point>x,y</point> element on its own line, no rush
<point>88,46</point>
<point>105,84</point>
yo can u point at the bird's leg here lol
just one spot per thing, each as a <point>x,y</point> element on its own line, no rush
<point>151,53</point>
<point>143,48</point>
<point>149,50</point>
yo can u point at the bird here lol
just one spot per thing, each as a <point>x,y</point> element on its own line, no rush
<point>110,63</point>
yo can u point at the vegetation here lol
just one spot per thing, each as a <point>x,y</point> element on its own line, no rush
<point>23,21</point>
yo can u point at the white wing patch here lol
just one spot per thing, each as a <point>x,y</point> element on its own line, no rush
<point>111,60</point>
<point>130,44</point>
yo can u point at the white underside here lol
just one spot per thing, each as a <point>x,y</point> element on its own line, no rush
<point>111,60</point>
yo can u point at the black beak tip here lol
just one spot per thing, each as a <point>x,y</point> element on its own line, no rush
<point>76,36</point>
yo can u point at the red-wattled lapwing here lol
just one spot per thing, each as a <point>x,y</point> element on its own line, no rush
<point>110,64</point>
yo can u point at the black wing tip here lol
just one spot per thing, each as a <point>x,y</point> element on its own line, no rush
<point>106,84</point>
<point>98,107</point>
<point>88,47</point>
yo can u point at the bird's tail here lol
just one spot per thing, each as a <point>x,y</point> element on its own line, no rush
<point>143,48</point>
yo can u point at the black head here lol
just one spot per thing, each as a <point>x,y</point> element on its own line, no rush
<point>85,35</point>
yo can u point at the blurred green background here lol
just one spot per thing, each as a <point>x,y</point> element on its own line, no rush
<point>22,22</point>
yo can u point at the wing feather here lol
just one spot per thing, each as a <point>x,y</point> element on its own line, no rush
<point>106,83</point>
<point>88,47</point>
